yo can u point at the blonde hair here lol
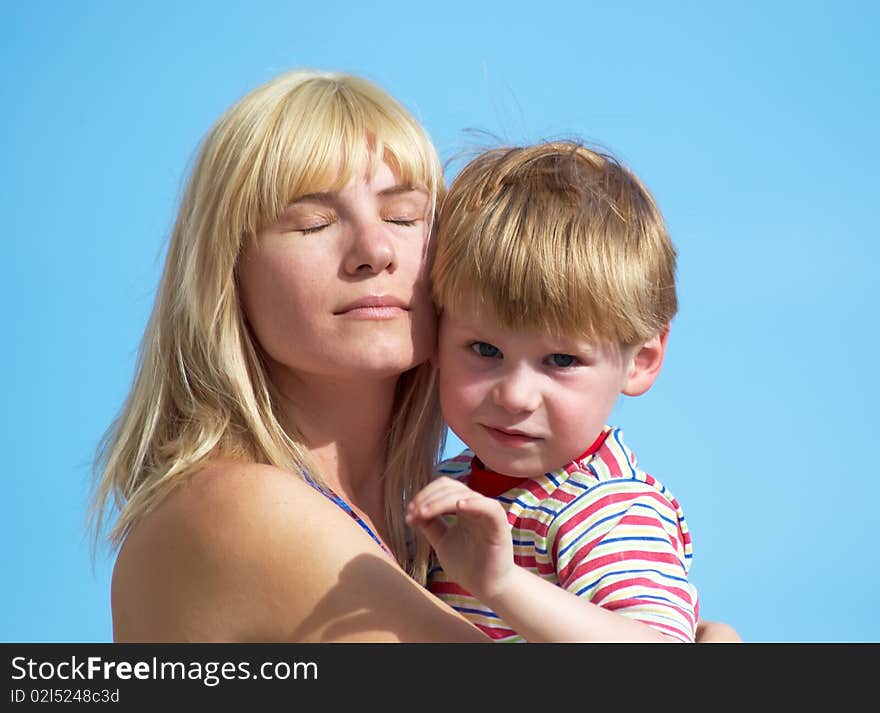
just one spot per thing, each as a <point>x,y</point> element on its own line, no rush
<point>200,390</point>
<point>558,237</point>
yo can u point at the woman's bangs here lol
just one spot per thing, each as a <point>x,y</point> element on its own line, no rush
<point>340,140</point>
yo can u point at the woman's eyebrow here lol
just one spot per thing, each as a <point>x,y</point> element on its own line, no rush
<point>401,188</point>
<point>330,196</point>
<point>320,197</point>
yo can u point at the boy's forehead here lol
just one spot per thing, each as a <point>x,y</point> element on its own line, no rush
<point>470,312</point>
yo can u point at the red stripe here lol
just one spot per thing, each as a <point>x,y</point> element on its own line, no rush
<point>535,488</point>
<point>436,587</point>
<point>609,460</point>
<point>685,536</point>
<point>601,503</point>
<point>545,568</point>
<point>631,556</point>
<point>607,500</point>
<point>673,630</point>
<point>578,462</point>
<point>525,561</point>
<point>495,632</point>
<point>601,594</point>
<point>641,520</point>
<point>563,496</point>
<point>530,525</point>
<point>638,603</point>
<point>580,554</point>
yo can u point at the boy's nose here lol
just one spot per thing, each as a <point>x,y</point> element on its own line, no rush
<point>516,392</point>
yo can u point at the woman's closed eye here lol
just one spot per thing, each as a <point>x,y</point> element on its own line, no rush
<point>405,207</point>
<point>312,229</point>
<point>311,223</point>
<point>484,349</point>
<point>408,222</point>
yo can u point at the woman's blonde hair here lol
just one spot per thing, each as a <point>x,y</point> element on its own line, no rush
<point>200,391</point>
<point>556,236</point>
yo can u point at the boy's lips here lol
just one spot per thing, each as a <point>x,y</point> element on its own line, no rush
<point>509,436</point>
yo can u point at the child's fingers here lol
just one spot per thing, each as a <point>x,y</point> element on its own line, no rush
<point>426,493</point>
<point>444,502</point>
<point>433,530</point>
<point>484,509</point>
<point>425,502</point>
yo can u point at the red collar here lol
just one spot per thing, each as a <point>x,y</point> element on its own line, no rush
<point>491,484</point>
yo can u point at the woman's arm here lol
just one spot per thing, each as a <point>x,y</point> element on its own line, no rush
<point>251,553</point>
<point>716,632</point>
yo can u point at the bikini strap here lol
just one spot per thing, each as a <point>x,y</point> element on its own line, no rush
<point>333,497</point>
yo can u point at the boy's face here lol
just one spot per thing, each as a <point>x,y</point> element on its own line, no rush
<point>526,402</point>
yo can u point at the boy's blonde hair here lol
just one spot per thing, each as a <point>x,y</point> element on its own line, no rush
<point>560,238</point>
<point>201,392</point>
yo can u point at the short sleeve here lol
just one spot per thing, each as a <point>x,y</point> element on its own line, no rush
<point>624,547</point>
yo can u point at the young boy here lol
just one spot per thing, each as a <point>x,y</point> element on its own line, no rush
<point>555,278</point>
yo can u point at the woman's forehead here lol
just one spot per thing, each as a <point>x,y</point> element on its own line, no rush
<point>379,176</point>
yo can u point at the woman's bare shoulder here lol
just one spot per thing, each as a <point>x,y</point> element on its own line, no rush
<point>248,552</point>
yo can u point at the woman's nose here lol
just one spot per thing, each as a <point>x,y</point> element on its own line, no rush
<point>370,249</point>
<point>517,392</point>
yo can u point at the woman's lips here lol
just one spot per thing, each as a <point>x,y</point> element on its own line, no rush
<point>374,307</point>
<point>510,438</point>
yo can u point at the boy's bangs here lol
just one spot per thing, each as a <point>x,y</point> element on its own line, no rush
<point>527,262</point>
<point>512,283</point>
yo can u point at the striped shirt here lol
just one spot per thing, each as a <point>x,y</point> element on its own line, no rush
<point>599,527</point>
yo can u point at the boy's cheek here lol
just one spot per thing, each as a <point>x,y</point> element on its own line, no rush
<point>460,395</point>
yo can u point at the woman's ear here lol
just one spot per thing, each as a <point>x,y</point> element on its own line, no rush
<point>645,365</point>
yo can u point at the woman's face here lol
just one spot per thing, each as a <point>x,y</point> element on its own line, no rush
<point>338,286</point>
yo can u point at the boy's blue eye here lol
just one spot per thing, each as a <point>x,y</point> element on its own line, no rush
<point>562,360</point>
<point>485,350</point>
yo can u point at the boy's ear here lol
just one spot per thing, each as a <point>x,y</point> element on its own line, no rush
<point>645,364</point>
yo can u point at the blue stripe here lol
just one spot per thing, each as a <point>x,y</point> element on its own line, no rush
<point>616,515</point>
<point>659,514</point>
<point>612,516</point>
<point>527,506</point>
<point>488,613</point>
<point>660,599</point>
<point>576,484</point>
<point>532,544</point>
<point>619,513</point>
<point>631,571</point>
<point>524,543</point>
<point>617,439</point>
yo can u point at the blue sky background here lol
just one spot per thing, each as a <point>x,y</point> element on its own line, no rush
<point>754,126</point>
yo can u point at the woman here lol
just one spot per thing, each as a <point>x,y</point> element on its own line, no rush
<point>283,407</point>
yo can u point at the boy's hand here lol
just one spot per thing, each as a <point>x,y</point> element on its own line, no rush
<point>474,546</point>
